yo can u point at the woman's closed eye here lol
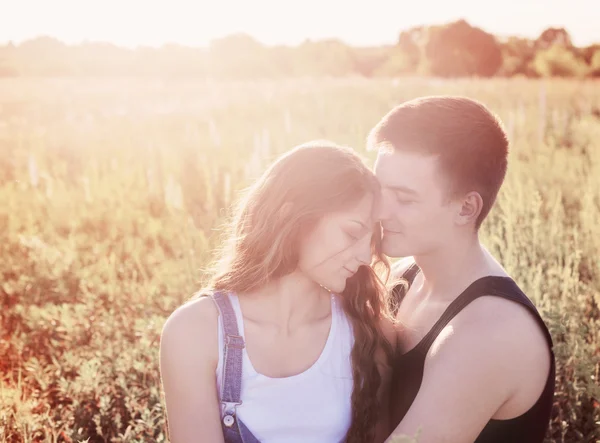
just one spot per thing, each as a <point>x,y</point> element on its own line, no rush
<point>354,236</point>
<point>355,231</point>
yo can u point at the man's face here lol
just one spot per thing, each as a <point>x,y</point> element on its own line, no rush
<point>415,212</point>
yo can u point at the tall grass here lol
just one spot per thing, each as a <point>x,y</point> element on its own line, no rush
<point>112,193</point>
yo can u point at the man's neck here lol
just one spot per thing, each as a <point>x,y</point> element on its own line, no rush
<point>449,270</point>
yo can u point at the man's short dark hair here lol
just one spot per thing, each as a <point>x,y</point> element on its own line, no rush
<point>467,137</point>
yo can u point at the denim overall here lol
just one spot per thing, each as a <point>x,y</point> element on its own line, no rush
<point>234,430</point>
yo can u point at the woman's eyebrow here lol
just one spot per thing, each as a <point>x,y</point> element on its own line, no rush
<point>359,222</point>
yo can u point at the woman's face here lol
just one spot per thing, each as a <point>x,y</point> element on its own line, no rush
<point>338,244</point>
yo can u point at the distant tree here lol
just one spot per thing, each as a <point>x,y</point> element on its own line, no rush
<point>234,44</point>
<point>105,59</point>
<point>282,60</point>
<point>42,44</point>
<point>325,57</point>
<point>553,36</point>
<point>238,56</point>
<point>182,61</point>
<point>397,63</point>
<point>558,61</point>
<point>8,61</point>
<point>459,49</point>
<point>594,70</point>
<point>7,70</point>
<point>517,55</point>
<point>450,50</point>
<point>368,61</point>
<point>406,56</point>
<point>557,56</point>
<point>588,52</point>
<point>409,43</point>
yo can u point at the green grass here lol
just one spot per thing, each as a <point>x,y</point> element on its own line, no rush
<point>112,193</point>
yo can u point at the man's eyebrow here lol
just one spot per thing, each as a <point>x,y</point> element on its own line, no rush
<point>402,189</point>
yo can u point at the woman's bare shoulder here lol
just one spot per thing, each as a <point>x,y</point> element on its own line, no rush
<point>188,363</point>
<point>191,331</point>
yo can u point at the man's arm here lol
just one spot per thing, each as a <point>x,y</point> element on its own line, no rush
<point>473,368</point>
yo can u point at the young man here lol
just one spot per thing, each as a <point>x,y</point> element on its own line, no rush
<point>475,360</point>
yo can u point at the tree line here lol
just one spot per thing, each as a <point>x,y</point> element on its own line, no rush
<point>455,49</point>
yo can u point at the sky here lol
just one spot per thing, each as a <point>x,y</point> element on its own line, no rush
<point>357,22</point>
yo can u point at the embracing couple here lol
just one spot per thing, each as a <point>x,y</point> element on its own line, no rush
<point>306,334</point>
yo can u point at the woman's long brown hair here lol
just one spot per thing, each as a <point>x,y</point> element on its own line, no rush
<point>299,188</point>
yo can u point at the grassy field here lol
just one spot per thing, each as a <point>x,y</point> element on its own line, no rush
<point>112,193</point>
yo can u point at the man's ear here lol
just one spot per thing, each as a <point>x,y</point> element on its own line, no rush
<point>471,207</point>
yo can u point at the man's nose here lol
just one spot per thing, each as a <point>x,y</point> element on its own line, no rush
<point>382,210</point>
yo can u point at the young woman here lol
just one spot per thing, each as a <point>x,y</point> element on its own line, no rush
<point>291,340</point>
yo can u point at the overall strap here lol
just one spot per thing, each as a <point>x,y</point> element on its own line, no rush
<point>231,384</point>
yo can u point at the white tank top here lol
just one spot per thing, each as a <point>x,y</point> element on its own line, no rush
<point>311,407</point>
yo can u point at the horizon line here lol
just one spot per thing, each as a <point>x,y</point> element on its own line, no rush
<point>501,37</point>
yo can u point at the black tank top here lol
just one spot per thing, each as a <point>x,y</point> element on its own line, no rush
<point>530,427</point>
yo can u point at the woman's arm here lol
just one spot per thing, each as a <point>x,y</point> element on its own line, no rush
<point>188,361</point>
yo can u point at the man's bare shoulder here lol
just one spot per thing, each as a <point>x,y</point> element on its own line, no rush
<point>509,326</point>
<point>493,332</point>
